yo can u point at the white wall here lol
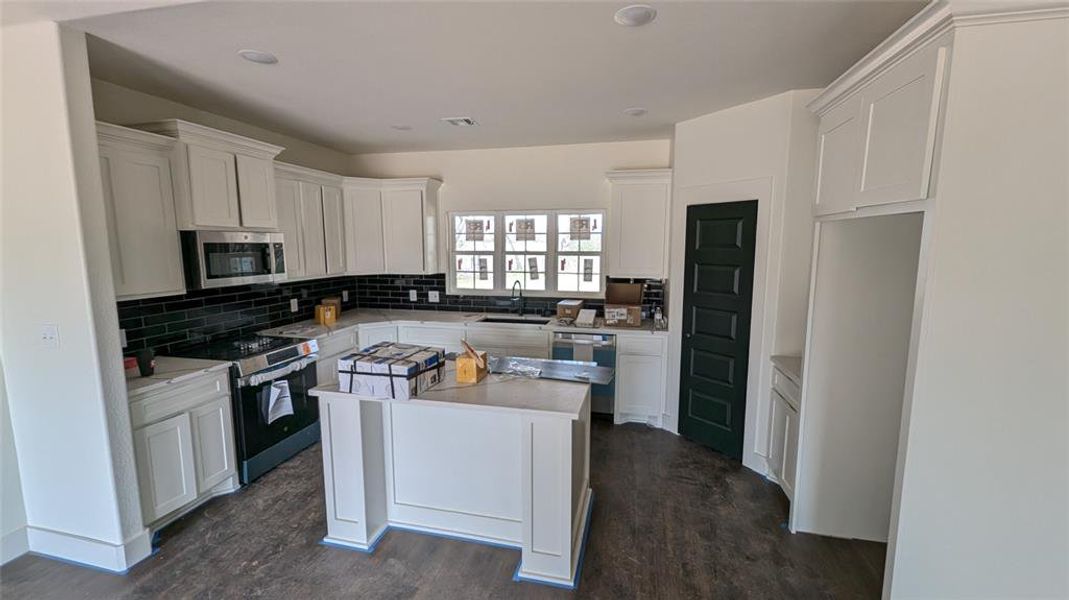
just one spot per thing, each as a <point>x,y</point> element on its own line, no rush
<point>984,507</point>
<point>12,509</point>
<point>71,428</point>
<point>123,106</point>
<point>762,150</point>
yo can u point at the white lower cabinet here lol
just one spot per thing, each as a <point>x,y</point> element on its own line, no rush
<point>432,335</point>
<point>166,466</point>
<point>503,341</point>
<point>641,371</point>
<point>183,445</point>
<point>373,334</point>
<point>783,432</point>
<point>331,348</point>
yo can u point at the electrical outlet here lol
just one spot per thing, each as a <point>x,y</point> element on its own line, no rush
<point>122,337</point>
<point>432,296</point>
<point>345,295</point>
<point>294,307</point>
<point>50,335</point>
<point>413,295</point>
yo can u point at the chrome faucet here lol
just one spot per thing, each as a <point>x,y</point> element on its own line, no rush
<point>517,295</point>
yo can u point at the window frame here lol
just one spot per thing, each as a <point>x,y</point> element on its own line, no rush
<point>500,252</point>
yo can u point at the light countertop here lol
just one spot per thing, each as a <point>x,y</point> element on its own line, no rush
<point>369,316</point>
<point>791,367</point>
<point>170,369</point>
<point>498,392</point>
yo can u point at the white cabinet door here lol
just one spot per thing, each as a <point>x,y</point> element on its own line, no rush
<point>165,465</point>
<point>365,253</point>
<point>369,336</point>
<point>288,203</point>
<point>256,178</point>
<point>402,218</point>
<point>790,452</point>
<point>146,257</point>
<point>334,230</point>
<point>213,187</point>
<point>640,385</point>
<point>639,219</point>
<point>438,337</point>
<point>777,435</point>
<point>838,140</point>
<point>213,443</point>
<point>327,370</point>
<point>315,252</point>
<point>900,113</point>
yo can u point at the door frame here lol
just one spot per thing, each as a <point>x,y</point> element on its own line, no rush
<point>763,308</point>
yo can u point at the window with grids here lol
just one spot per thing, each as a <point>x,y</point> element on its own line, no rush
<point>544,252</point>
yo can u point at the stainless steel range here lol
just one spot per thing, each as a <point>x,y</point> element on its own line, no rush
<point>274,417</point>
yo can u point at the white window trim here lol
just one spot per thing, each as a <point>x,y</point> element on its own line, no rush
<point>499,253</point>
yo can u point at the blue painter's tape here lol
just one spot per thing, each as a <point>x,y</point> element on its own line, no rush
<point>578,568</point>
<point>80,564</point>
<point>370,549</point>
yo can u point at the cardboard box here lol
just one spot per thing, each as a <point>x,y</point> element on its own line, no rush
<point>469,369</point>
<point>623,304</point>
<point>335,301</point>
<point>391,370</point>
<point>569,309</point>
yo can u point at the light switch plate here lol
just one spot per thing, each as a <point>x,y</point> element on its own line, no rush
<point>345,295</point>
<point>432,296</point>
<point>294,307</point>
<point>50,335</point>
<point>413,295</point>
<point>122,337</point>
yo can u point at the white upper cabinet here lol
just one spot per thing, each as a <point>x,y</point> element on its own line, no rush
<point>288,203</point>
<point>222,180</point>
<point>334,229</point>
<point>315,252</point>
<point>256,178</point>
<point>311,216</point>
<point>900,111</point>
<point>410,225</point>
<point>135,169</point>
<point>837,158</point>
<point>638,223</point>
<point>879,126</point>
<point>365,252</point>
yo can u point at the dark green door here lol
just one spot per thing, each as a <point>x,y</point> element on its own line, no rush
<point>717,296</point>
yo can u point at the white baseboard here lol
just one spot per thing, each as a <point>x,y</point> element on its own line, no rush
<point>115,558</point>
<point>13,545</point>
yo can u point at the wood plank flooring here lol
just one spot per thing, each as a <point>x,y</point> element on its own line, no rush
<point>671,520</point>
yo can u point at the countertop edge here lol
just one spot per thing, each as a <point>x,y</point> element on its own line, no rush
<point>185,375</point>
<point>321,391</point>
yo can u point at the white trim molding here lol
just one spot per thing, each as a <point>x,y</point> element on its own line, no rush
<point>14,544</point>
<point>116,558</point>
<point>213,138</point>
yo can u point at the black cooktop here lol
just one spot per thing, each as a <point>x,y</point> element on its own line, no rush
<point>235,348</point>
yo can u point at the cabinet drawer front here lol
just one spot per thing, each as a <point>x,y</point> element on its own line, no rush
<point>337,343</point>
<point>508,338</point>
<point>179,397</point>
<point>640,344</point>
<point>782,384</point>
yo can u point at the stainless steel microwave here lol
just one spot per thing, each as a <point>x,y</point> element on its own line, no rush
<point>222,258</point>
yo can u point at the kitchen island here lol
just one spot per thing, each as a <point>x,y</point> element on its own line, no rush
<point>504,461</point>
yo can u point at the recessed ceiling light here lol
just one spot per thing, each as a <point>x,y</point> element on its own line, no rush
<point>635,15</point>
<point>258,56</point>
<point>401,127</point>
<point>635,111</point>
<point>460,121</point>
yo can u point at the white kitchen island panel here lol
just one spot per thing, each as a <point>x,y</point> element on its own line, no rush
<point>512,472</point>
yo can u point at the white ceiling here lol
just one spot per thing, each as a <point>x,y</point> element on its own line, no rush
<point>530,73</point>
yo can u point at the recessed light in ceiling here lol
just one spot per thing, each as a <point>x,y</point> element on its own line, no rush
<point>460,121</point>
<point>635,111</point>
<point>258,56</point>
<point>635,15</point>
<point>401,127</point>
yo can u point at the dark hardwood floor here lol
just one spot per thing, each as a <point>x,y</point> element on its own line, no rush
<point>671,520</point>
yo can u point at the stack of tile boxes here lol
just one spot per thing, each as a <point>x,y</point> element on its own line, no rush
<point>390,370</point>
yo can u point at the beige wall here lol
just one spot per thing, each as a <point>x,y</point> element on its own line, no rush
<point>762,150</point>
<point>123,106</point>
<point>984,507</point>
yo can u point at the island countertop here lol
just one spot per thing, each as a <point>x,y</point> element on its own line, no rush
<point>497,392</point>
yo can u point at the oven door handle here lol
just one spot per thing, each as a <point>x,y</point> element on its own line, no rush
<point>265,376</point>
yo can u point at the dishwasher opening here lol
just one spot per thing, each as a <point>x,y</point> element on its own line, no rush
<point>599,348</point>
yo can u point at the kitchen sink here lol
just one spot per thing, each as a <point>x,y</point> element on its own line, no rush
<point>517,320</point>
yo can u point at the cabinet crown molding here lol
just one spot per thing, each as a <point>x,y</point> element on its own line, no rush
<point>362,183</point>
<point>224,140</point>
<point>934,20</point>
<point>108,133</point>
<point>640,176</point>
<point>287,171</point>
<point>412,182</point>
